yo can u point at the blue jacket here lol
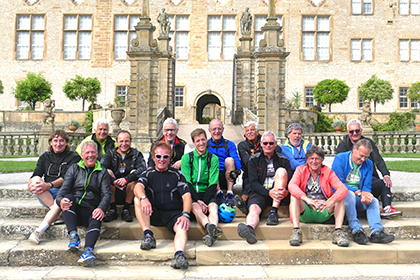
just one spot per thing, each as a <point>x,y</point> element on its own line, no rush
<point>220,151</point>
<point>342,165</point>
<point>296,157</point>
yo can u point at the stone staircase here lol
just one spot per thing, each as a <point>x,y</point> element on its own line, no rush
<point>21,213</point>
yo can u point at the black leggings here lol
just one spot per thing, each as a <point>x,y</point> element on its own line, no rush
<point>79,215</point>
<point>379,189</point>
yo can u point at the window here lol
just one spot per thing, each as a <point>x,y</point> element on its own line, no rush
<point>77,36</point>
<point>408,7</point>
<point>309,97</point>
<point>122,94</point>
<point>30,37</point>
<point>316,38</point>
<point>361,49</point>
<point>403,98</point>
<point>361,7</point>
<point>221,37</point>
<point>361,101</point>
<point>259,22</point>
<point>179,97</point>
<point>179,42</point>
<point>24,104</point>
<point>124,32</point>
<point>409,50</point>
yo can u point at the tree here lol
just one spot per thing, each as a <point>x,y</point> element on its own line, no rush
<point>82,88</point>
<point>330,91</point>
<point>1,87</point>
<point>414,92</point>
<point>33,89</point>
<point>376,90</point>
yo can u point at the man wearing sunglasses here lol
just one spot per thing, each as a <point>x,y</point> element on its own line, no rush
<point>295,148</point>
<point>380,188</point>
<point>269,174</point>
<point>178,145</point>
<point>163,198</point>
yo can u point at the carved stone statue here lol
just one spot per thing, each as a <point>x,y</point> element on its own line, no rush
<point>366,116</point>
<point>48,116</point>
<point>246,22</point>
<point>164,23</point>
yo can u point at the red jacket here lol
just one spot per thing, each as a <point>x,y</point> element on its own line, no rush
<point>328,180</point>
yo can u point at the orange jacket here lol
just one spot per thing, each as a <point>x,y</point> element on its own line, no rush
<point>331,186</point>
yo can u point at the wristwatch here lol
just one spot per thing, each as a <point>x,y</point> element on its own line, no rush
<point>359,194</point>
<point>51,185</point>
<point>143,197</point>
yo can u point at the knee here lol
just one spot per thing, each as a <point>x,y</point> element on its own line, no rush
<point>254,209</point>
<point>111,173</point>
<point>375,202</point>
<point>350,198</point>
<point>281,174</point>
<point>229,163</point>
<point>196,208</point>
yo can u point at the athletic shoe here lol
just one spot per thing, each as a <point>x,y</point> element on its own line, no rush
<point>360,238</point>
<point>74,243</point>
<point>125,215</point>
<point>229,199</point>
<point>214,231</point>
<point>340,238</point>
<point>240,204</point>
<point>220,198</point>
<point>59,220</point>
<point>87,258</point>
<point>390,212</point>
<point>296,238</point>
<point>148,242</point>
<point>179,261</point>
<point>208,240</point>
<point>273,218</point>
<point>247,233</point>
<point>381,237</point>
<point>34,237</point>
<point>112,215</point>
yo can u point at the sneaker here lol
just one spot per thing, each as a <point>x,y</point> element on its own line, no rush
<point>214,231</point>
<point>390,212</point>
<point>220,198</point>
<point>125,216</point>
<point>360,238</point>
<point>229,199</point>
<point>87,258</point>
<point>59,220</point>
<point>273,218</point>
<point>179,261</point>
<point>148,242</point>
<point>112,215</point>
<point>247,233</point>
<point>34,237</point>
<point>381,237</point>
<point>240,204</point>
<point>74,243</point>
<point>296,238</point>
<point>340,238</point>
<point>208,240</point>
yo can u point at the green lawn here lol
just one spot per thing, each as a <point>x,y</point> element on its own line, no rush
<point>17,166</point>
<point>400,155</point>
<point>405,165</point>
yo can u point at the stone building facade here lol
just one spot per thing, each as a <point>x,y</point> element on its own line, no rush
<point>345,39</point>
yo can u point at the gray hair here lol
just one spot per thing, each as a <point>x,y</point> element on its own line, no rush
<point>215,120</point>
<point>269,133</point>
<point>294,126</point>
<point>354,121</point>
<point>257,126</point>
<point>170,121</point>
<point>88,143</point>
<point>365,143</point>
<point>100,121</point>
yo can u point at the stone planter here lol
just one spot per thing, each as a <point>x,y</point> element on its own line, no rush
<point>339,128</point>
<point>117,115</point>
<point>72,128</point>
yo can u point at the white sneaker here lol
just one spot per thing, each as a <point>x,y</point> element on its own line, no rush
<point>34,237</point>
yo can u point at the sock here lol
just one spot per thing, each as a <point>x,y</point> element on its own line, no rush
<point>113,206</point>
<point>219,191</point>
<point>73,232</point>
<point>127,205</point>
<point>337,229</point>
<point>229,192</point>
<point>178,253</point>
<point>274,209</point>
<point>148,231</point>
<point>206,226</point>
<point>296,228</point>
<point>42,227</point>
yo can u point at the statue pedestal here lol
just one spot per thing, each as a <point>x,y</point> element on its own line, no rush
<point>246,44</point>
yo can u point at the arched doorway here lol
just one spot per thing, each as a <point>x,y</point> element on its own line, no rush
<point>212,103</point>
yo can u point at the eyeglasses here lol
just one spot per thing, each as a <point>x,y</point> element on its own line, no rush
<point>216,129</point>
<point>295,126</point>
<point>268,143</point>
<point>169,130</point>
<point>356,131</point>
<point>162,156</point>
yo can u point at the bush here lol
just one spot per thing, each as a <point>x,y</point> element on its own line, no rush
<point>88,121</point>
<point>205,120</point>
<point>324,123</point>
<point>397,122</point>
<point>331,91</point>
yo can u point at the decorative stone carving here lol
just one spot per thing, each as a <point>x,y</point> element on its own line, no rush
<point>246,23</point>
<point>31,2</point>
<point>164,23</point>
<point>128,2</point>
<point>48,116</point>
<point>77,2</point>
<point>317,3</point>
<point>117,115</point>
<point>176,2</point>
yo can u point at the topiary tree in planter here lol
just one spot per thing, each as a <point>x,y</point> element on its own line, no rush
<point>33,89</point>
<point>330,91</point>
<point>376,90</point>
<point>82,88</point>
<point>414,92</point>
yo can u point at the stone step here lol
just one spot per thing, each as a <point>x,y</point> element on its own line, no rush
<point>223,252</point>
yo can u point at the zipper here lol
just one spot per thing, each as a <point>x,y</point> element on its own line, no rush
<point>199,173</point>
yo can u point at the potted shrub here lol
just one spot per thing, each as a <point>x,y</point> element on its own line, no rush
<point>73,126</point>
<point>418,126</point>
<point>338,125</point>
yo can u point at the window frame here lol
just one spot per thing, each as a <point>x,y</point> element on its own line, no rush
<point>221,32</point>
<point>127,31</point>
<point>409,49</point>
<point>362,58</point>
<point>305,98</point>
<point>315,33</point>
<point>409,8</point>
<point>37,104</point>
<point>174,31</point>
<point>183,96</point>
<point>126,102</point>
<point>30,31</point>
<point>77,31</point>
<point>405,96</point>
<point>280,20</point>
<point>362,8</point>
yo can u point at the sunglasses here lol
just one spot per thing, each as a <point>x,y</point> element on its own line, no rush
<point>356,131</point>
<point>268,143</point>
<point>162,156</point>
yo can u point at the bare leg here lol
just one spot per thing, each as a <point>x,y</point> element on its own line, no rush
<point>144,220</point>
<point>229,166</point>
<point>253,218</point>
<point>202,219</point>
<point>297,206</point>
<point>280,183</point>
<point>339,210</point>
<point>129,193</point>
<point>181,238</point>
<point>213,215</point>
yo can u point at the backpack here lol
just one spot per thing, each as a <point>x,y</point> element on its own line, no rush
<point>209,155</point>
<point>225,144</point>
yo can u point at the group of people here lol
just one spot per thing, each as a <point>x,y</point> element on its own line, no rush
<point>178,184</point>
